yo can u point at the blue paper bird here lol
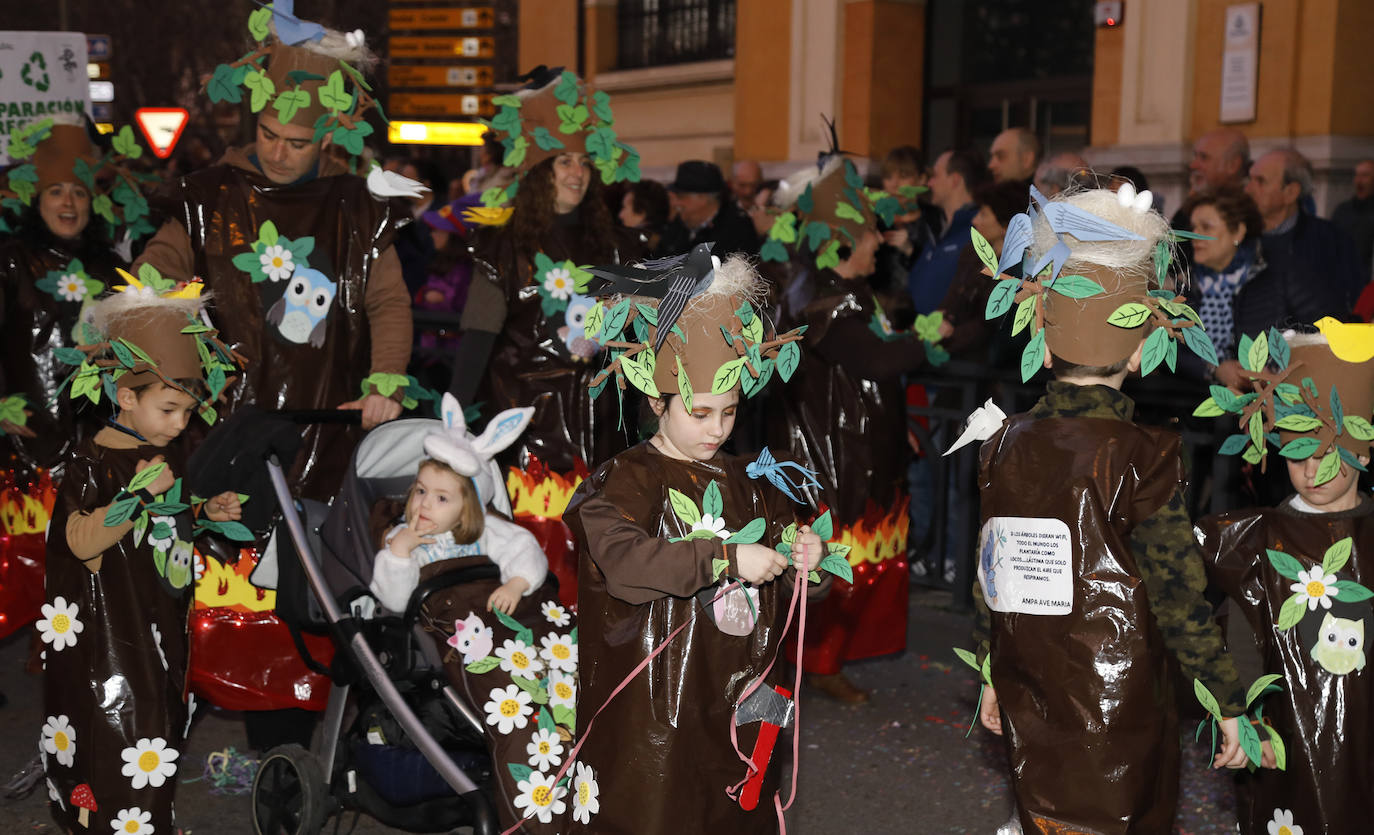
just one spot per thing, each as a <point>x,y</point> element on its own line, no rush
<point>291,30</point>
<point>766,466</point>
<point>1064,219</point>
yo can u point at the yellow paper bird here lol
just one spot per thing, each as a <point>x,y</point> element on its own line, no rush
<point>187,290</point>
<point>1352,343</point>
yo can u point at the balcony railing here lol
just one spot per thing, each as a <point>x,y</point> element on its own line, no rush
<point>653,33</point>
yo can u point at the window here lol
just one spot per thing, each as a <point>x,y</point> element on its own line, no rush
<point>657,32</point>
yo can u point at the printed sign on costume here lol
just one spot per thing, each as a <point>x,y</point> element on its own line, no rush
<point>42,76</point>
<point>1025,565</point>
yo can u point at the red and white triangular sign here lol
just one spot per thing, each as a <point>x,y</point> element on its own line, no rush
<point>162,127</point>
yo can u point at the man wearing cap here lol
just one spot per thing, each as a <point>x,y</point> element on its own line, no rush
<point>703,216</point>
<point>297,248</point>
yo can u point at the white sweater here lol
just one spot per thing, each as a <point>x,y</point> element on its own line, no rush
<point>513,548</point>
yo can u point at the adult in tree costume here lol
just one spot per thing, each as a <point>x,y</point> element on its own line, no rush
<point>523,341</point>
<point>844,411</point>
<point>1301,575</point>
<point>53,262</point>
<point>120,566</point>
<point>298,254</point>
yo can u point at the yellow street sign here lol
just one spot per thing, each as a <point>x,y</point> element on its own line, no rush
<point>442,18</point>
<point>403,76</point>
<point>440,47</point>
<point>435,133</point>
<point>440,104</point>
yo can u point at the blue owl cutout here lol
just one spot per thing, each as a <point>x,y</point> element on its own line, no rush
<point>301,313</point>
<point>766,466</point>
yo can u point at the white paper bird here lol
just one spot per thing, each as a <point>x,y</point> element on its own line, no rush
<point>982,424</point>
<point>390,184</point>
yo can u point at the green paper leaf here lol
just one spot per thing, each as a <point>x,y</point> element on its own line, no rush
<point>718,567</point>
<point>817,233</point>
<point>484,665</point>
<point>1249,740</point>
<point>615,321</point>
<point>750,534</point>
<point>727,376</point>
<point>522,632</point>
<point>1025,314</point>
<point>1207,700</point>
<point>546,722</point>
<point>1200,344</point>
<point>789,356</point>
<point>829,256</point>
<point>1279,351</point>
<point>685,508</point>
<point>121,510</point>
<point>289,102</point>
<point>1359,428</point>
<point>1280,752</point>
<point>837,565</point>
<point>125,144</point>
<point>258,22</point>
<point>223,85</point>
<point>684,384</point>
<point>1156,347</point>
<point>754,330</point>
<point>1251,455</point>
<point>140,528</point>
<point>1297,423</point>
<point>145,477</point>
<point>967,657</point>
<point>1257,430</point>
<point>571,117</point>
<point>566,90</point>
<point>773,250</point>
<point>1129,315</point>
<point>1292,610</point>
<point>1258,356</point>
<point>784,228</point>
<point>1300,448</point>
<point>261,87</point>
<point>519,771</point>
<point>845,211</point>
<point>1076,287</point>
<point>1348,591</point>
<point>1257,688</point>
<point>824,527</point>
<point>332,94</point>
<point>1033,356</point>
<point>1337,412</point>
<point>1208,408</point>
<point>986,253</point>
<point>515,155</point>
<point>236,531</point>
<point>1328,469</point>
<point>1001,298</point>
<point>711,502</point>
<point>1234,444</point>
<point>1284,564</point>
<point>640,375</point>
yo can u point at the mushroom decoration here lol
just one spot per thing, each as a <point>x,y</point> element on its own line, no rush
<point>83,799</point>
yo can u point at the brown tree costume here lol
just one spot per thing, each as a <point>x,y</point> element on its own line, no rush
<point>116,622</point>
<point>1302,579</point>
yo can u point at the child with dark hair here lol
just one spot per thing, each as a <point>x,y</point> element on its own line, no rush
<point>1087,572</point>
<point>120,569</point>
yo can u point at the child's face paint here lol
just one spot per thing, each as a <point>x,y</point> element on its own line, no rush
<point>696,436</point>
<point>1340,493</point>
<point>435,505</point>
<point>159,413</point>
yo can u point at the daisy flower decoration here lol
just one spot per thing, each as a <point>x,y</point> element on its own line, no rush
<point>559,282</point>
<point>540,797</point>
<point>585,793</point>
<point>714,524</point>
<point>508,709</point>
<point>59,739</point>
<point>277,262</point>
<point>60,625</point>
<point>562,690</point>
<point>1316,584</point>
<point>545,750</point>
<point>519,658</point>
<point>132,821</point>
<point>149,762</point>
<point>71,287</point>
<point>556,614</point>
<point>559,652</point>
<point>1282,824</point>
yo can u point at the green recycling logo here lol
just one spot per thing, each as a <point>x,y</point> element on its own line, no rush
<point>37,63</point>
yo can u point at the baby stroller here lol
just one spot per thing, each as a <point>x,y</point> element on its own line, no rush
<point>397,742</point>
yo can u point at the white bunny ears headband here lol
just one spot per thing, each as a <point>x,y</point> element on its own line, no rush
<point>471,455</point>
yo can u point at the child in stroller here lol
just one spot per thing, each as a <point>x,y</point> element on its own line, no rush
<point>447,525</point>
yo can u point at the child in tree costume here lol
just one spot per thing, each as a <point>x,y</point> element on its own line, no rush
<point>670,533</point>
<point>1087,572</point>
<point>120,565</point>
<point>1301,573</point>
<point>523,337</point>
<point>844,411</point>
<point>46,281</point>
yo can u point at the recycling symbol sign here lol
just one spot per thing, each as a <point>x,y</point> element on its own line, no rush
<point>30,74</point>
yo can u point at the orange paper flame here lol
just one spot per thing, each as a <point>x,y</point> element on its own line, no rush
<point>878,536</point>
<point>227,586</point>
<point>539,491</point>
<point>26,508</point>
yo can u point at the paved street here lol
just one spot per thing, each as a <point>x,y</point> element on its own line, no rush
<point>900,764</point>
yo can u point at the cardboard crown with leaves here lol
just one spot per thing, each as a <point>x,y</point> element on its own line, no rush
<point>294,69</point>
<point>150,329</point>
<point>686,325</point>
<point>1113,297</point>
<point>44,153</point>
<point>1311,395</point>
<point>827,207</point>
<point>558,113</point>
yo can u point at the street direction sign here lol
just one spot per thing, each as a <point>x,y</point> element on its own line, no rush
<point>442,18</point>
<point>436,76</point>
<point>98,47</point>
<point>441,47</point>
<point>441,104</point>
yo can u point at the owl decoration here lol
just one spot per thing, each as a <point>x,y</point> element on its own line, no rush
<point>301,313</point>
<point>1340,645</point>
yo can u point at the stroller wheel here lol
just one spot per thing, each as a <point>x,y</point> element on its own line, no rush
<point>289,793</point>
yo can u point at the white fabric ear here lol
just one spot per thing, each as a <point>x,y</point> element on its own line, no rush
<point>455,451</point>
<point>503,430</point>
<point>453,414</point>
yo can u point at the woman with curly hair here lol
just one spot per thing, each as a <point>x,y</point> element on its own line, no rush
<point>523,326</point>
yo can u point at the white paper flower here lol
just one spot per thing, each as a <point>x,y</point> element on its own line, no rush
<point>278,262</point>
<point>161,543</point>
<point>132,821</point>
<point>562,690</point>
<point>559,652</point>
<point>60,625</point>
<point>555,614</point>
<point>545,750</point>
<point>1316,584</point>
<point>59,739</point>
<point>585,793</point>
<point>71,287</point>
<point>712,524</point>
<point>558,281</point>
<point>539,797</point>
<point>1282,824</point>
<point>509,708</point>
<point>519,658</point>
<point>149,762</point>
<point>157,644</point>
